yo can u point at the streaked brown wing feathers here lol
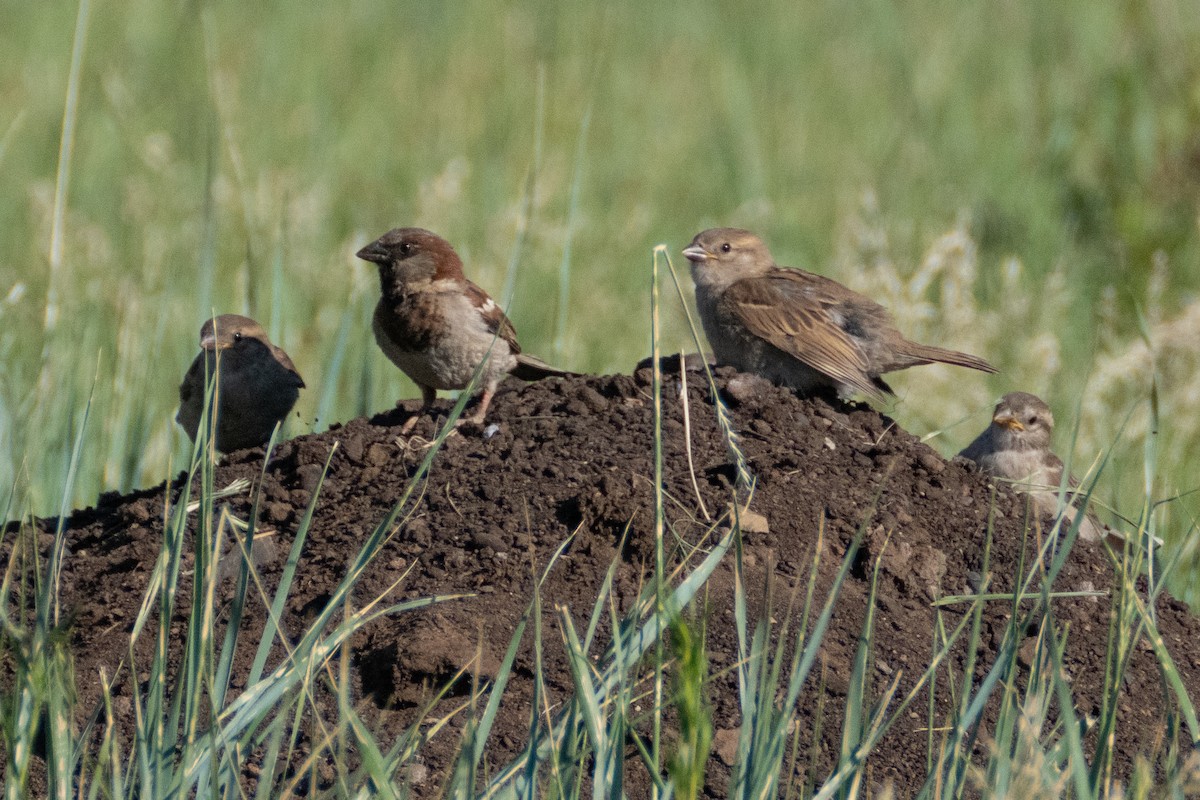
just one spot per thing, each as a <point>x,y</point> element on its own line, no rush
<point>800,323</point>
<point>496,321</point>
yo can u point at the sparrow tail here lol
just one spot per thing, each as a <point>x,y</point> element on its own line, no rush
<point>927,354</point>
<point>532,368</point>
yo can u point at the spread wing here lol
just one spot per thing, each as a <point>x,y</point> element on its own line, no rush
<point>795,312</point>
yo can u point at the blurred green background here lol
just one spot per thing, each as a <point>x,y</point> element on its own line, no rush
<point>1021,180</point>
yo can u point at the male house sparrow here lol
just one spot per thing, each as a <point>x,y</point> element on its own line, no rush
<point>795,328</point>
<point>1016,448</point>
<point>257,384</point>
<point>437,326</point>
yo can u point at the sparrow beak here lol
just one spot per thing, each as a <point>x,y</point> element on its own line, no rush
<point>696,254</point>
<point>1006,420</point>
<point>374,252</point>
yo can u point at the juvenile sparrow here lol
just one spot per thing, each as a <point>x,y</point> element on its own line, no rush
<point>795,328</point>
<point>437,326</point>
<point>1016,448</point>
<point>257,384</point>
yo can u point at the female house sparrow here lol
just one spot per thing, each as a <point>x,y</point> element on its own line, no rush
<point>795,328</point>
<point>437,326</point>
<point>257,384</point>
<point>1016,447</point>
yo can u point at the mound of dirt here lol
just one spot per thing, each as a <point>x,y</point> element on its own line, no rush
<point>576,456</point>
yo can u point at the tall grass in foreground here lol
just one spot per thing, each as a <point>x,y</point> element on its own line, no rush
<point>638,701</point>
<point>193,736</point>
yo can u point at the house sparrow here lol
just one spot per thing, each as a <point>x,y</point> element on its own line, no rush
<point>1016,448</point>
<point>257,384</point>
<point>795,328</point>
<point>437,326</point>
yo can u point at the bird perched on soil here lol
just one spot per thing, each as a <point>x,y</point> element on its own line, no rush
<point>257,384</point>
<point>1016,448</point>
<point>795,328</point>
<point>437,326</point>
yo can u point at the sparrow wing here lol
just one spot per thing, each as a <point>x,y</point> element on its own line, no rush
<point>497,323</point>
<point>1052,469</point>
<point>287,364</point>
<point>1091,529</point>
<point>193,381</point>
<point>795,312</point>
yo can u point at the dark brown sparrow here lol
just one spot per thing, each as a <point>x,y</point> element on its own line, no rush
<point>1016,448</point>
<point>437,326</point>
<point>795,328</point>
<point>257,384</point>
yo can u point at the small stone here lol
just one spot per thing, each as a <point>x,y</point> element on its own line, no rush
<point>595,401</point>
<point>975,581</point>
<point>761,427</point>
<point>751,521</point>
<point>353,447</point>
<point>490,539</point>
<point>931,461</point>
<point>930,567</point>
<point>418,774</point>
<point>1028,652</point>
<point>577,408</point>
<point>278,512</point>
<point>378,454</point>
<point>309,476</point>
<point>417,530</point>
<point>745,387</point>
<point>725,745</point>
<point>137,511</point>
<point>833,416</point>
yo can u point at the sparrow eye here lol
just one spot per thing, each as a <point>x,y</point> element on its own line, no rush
<point>725,248</point>
<point>237,337</point>
<point>405,248</point>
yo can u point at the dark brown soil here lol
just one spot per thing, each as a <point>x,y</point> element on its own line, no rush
<point>577,456</point>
